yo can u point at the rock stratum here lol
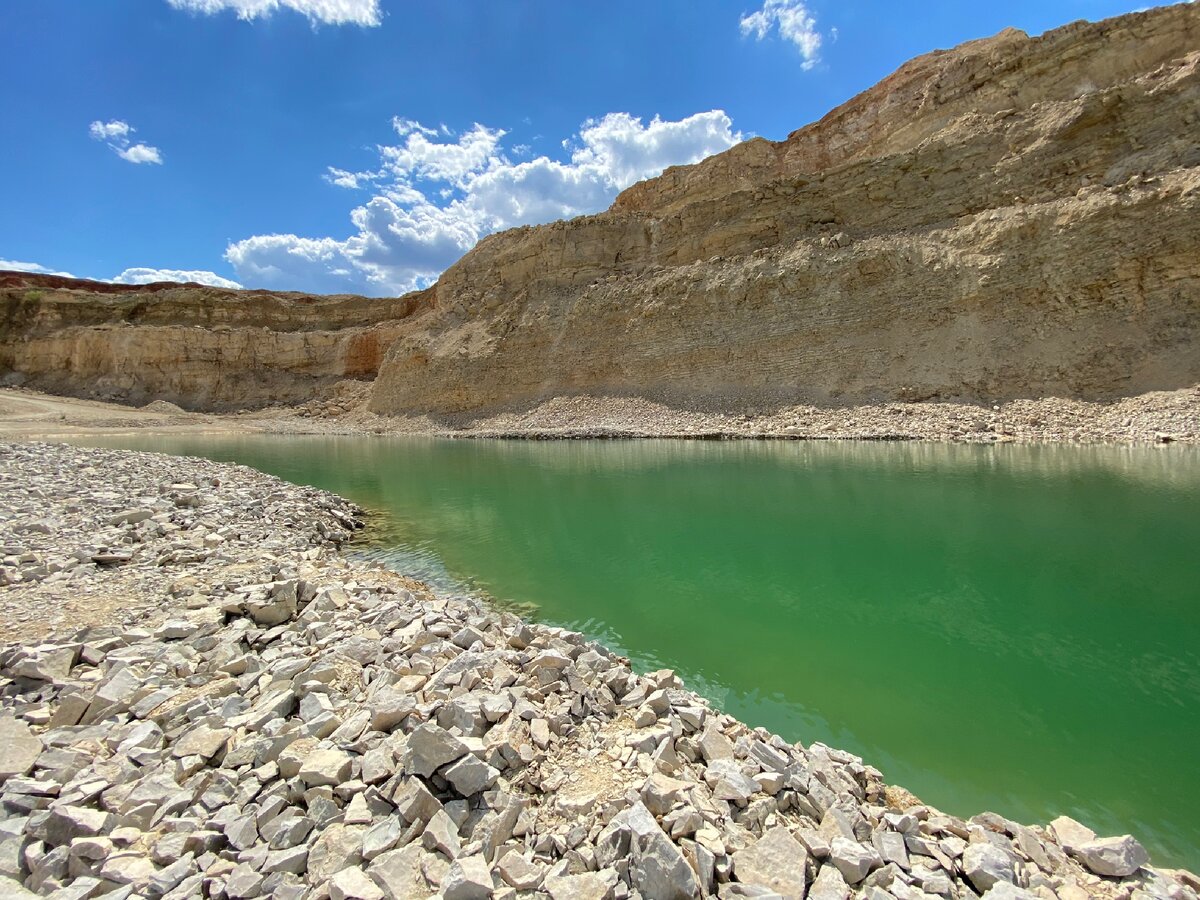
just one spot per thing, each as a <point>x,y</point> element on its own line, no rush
<point>1014,218</point>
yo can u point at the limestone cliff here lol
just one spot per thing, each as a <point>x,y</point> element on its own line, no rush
<point>197,346</point>
<point>1015,217</point>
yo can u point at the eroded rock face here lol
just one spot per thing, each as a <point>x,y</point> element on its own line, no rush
<point>202,348</point>
<point>951,232</point>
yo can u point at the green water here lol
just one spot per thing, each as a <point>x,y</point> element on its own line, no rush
<point>1005,628</point>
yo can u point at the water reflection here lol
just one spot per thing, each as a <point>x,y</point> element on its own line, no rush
<point>995,627</point>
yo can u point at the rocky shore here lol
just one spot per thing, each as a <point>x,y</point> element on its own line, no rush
<point>202,696</point>
<point>1162,417</point>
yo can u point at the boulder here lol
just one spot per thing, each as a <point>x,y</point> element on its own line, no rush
<point>1113,857</point>
<point>19,747</point>
<point>985,864</point>
<point>776,861</point>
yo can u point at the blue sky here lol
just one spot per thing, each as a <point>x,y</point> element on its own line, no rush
<point>363,145</point>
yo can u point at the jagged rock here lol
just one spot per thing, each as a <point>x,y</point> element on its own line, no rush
<point>776,861</point>
<point>656,867</point>
<point>852,859</point>
<point>1115,857</point>
<point>330,766</point>
<point>338,847</point>
<point>19,747</point>
<point>468,878</point>
<point>442,834</point>
<point>430,748</point>
<point>986,864</point>
<point>1003,890</point>
<point>519,872</point>
<point>398,873</point>
<point>1070,834</point>
<point>471,775</point>
<point>353,884</point>
<point>829,885</point>
<point>584,886</point>
<point>202,741</point>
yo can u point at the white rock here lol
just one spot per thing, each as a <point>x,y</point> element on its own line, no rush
<point>19,747</point>
<point>398,873</point>
<point>471,775</point>
<point>829,885</point>
<point>985,864</point>
<point>429,748</point>
<point>776,861</point>
<point>519,872</point>
<point>353,884</point>
<point>325,767</point>
<point>852,859</point>
<point>1071,834</point>
<point>468,878</point>
<point>1114,857</point>
<point>586,886</point>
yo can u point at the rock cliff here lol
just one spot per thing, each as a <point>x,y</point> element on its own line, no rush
<point>197,346</point>
<point>1016,217</point>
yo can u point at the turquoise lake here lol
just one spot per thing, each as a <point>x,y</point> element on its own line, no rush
<point>999,628</point>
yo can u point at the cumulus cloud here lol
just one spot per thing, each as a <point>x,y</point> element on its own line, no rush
<point>141,153</point>
<point>12,265</point>
<point>143,275</point>
<point>794,22</point>
<point>116,134</point>
<point>435,193</point>
<point>318,12</point>
<point>115,130</point>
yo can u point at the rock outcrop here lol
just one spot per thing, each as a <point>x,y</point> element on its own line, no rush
<point>197,346</point>
<point>1017,217</point>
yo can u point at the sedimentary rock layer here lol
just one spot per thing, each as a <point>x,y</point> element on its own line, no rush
<point>1015,217</point>
<point>200,347</point>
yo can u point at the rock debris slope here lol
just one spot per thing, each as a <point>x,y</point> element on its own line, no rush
<point>288,724</point>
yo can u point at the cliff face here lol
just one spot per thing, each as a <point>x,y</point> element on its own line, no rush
<point>199,347</point>
<point>1015,217</point>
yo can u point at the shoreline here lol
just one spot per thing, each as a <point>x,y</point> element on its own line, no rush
<point>367,738</point>
<point>1155,418</point>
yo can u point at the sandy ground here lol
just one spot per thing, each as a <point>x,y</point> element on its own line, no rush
<point>1158,417</point>
<point>27,414</point>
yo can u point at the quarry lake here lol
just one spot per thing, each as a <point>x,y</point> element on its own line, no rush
<point>1014,628</point>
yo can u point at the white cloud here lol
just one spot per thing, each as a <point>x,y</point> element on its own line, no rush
<point>139,275</point>
<point>149,276</point>
<point>140,153</point>
<point>420,157</point>
<point>795,23</point>
<point>109,131</point>
<point>116,134</point>
<point>435,194</point>
<point>12,265</point>
<point>323,12</point>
